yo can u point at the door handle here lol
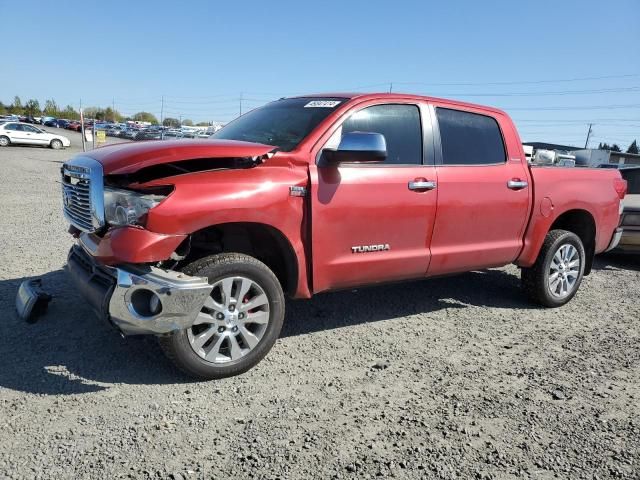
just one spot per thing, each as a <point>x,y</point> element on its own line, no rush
<point>422,185</point>
<point>517,184</point>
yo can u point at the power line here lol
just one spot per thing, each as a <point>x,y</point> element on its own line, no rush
<point>523,82</point>
<point>542,94</point>
<point>596,107</point>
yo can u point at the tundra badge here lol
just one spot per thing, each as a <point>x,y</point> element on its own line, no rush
<point>370,248</point>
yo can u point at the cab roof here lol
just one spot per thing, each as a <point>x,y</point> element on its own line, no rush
<point>397,96</point>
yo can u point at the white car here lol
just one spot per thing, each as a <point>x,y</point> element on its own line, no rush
<point>23,133</point>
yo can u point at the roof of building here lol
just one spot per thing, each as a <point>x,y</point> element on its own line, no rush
<point>550,146</point>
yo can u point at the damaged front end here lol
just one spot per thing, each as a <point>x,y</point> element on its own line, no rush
<point>121,267</point>
<point>138,299</point>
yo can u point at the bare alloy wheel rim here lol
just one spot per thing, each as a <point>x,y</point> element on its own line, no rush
<point>564,271</point>
<point>4,142</point>
<point>56,144</point>
<point>232,322</point>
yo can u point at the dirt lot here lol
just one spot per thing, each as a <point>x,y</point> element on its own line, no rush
<point>447,378</point>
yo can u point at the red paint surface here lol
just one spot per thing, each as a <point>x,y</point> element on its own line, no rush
<point>129,157</point>
<point>130,245</point>
<point>472,220</point>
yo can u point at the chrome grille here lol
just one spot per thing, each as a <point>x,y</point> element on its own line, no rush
<point>82,193</point>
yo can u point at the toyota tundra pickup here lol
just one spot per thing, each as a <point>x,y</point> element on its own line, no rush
<point>199,241</point>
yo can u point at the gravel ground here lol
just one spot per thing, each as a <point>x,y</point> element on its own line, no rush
<point>457,377</point>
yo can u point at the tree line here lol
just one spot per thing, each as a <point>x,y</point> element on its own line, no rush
<point>51,109</point>
<point>633,148</point>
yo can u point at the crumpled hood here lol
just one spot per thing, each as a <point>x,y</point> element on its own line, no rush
<point>124,158</point>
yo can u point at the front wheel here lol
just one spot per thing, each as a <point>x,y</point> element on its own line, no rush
<point>4,141</point>
<point>56,144</point>
<point>238,324</point>
<point>555,277</point>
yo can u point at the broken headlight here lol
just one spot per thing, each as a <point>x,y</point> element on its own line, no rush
<point>126,207</point>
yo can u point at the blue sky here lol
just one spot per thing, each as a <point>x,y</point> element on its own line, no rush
<point>202,56</point>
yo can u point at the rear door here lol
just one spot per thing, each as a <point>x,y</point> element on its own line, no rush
<point>369,221</point>
<point>483,191</point>
<point>15,133</point>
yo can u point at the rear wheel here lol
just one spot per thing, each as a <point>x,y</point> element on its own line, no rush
<point>238,323</point>
<point>4,141</point>
<point>555,277</point>
<point>56,144</point>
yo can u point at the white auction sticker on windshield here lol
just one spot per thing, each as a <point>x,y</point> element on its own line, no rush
<point>322,104</point>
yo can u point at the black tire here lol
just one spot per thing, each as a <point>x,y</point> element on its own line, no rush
<point>56,144</point>
<point>536,279</point>
<point>177,347</point>
<point>4,141</point>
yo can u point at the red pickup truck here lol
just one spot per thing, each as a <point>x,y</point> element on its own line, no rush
<point>199,241</point>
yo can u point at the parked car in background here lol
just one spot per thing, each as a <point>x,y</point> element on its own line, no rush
<point>61,123</point>
<point>129,133</point>
<point>202,134</point>
<point>114,130</point>
<point>74,125</point>
<point>25,134</point>
<point>172,132</point>
<point>9,118</point>
<point>148,134</point>
<point>630,240</point>
<point>45,120</point>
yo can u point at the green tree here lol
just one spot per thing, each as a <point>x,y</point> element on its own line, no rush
<point>202,124</point>
<point>70,113</point>
<point>615,148</point>
<point>3,109</point>
<point>51,108</point>
<point>93,112</point>
<point>171,122</point>
<point>32,107</point>
<point>633,148</point>
<point>16,107</point>
<point>188,122</point>
<point>145,117</point>
<point>112,115</point>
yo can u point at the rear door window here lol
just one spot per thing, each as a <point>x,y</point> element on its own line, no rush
<point>469,138</point>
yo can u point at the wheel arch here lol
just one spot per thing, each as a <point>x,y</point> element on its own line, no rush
<point>262,241</point>
<point>582,223</point>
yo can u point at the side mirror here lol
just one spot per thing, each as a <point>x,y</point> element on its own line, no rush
<point>358,147</point>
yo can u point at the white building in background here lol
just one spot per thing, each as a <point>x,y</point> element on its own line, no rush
<point>592,157</point>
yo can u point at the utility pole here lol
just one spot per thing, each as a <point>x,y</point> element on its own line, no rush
<point>113,107</point>
<point>240,104</point>
<point>162,118</point>
<point>390,87</point>
<point>588,135</point>
<point>84,147</point>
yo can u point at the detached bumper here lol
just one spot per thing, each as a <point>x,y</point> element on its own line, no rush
<point>138,300</point>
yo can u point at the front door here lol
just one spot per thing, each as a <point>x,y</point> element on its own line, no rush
<point>35,136</point>
<point>372,222</point>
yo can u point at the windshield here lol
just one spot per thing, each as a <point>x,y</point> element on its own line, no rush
<point>283,123</point>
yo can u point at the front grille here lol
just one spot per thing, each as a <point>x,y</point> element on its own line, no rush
<point>82,193</point>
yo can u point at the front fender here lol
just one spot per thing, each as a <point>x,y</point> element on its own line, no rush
<point>258,195</point>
